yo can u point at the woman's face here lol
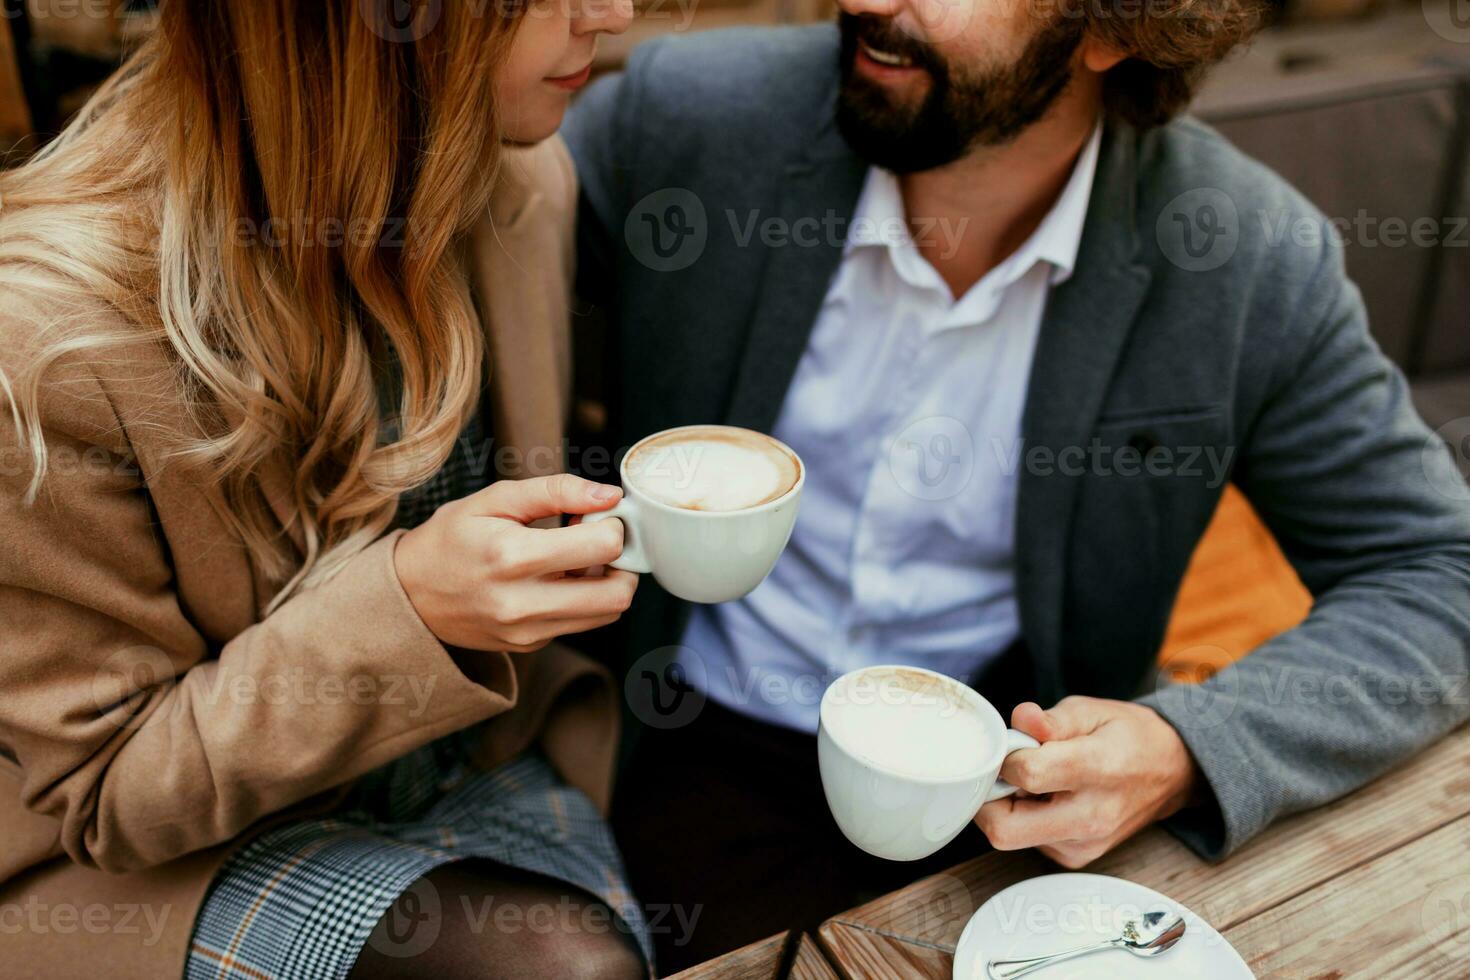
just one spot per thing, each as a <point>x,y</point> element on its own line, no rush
<point>550,58</point>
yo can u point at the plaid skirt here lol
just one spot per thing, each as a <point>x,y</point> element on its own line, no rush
<point>302,900</point>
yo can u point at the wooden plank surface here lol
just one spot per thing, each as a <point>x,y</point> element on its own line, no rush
<point>758,961</point>
<point>809,963</point>
<point>874,955</point>
<point>1405,914</point>
<point>916,928</point>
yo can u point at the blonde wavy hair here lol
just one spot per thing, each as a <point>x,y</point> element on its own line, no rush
<point>167,200</point>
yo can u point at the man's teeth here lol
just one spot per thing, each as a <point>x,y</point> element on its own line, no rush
<point>885,58</point>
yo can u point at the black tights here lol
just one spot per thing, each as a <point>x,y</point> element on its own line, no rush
<point>480,919</point>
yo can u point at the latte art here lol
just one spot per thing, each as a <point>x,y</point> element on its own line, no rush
<point>908,722</point>
<point>712,468</point>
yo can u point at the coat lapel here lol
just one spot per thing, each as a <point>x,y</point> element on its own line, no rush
<point>521,275</point>
<point>1087,323</point>
<point>826,182</point>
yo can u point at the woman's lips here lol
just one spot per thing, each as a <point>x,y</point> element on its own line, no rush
<point>574,81</point>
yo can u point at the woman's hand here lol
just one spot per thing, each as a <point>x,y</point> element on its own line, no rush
<point>481,579</point>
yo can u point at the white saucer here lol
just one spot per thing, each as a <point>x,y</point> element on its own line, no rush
<point>1056,912</point>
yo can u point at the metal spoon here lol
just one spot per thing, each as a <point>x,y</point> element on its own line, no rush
<point>1148,936</point>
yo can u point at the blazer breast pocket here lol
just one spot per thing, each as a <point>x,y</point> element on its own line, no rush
<point>1189,446</point>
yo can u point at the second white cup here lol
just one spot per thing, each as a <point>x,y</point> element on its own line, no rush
<point>906,808</point>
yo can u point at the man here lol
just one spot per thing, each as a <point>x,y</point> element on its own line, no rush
<point>1022,328</point>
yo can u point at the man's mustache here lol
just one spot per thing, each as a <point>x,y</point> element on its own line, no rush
<point>884,35</point>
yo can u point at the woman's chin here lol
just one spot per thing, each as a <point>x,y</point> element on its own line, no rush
<point>523,132</point>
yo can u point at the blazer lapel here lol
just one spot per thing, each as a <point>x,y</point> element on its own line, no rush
<point>826,182</point>
<point>1087,322</point>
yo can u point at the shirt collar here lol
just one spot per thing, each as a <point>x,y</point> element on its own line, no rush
<point>1059,236</point>
<point>879,219</point>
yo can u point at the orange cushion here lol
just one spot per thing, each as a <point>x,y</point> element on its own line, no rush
<point>1238,592</point>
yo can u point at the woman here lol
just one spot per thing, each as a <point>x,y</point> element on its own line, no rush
<point>266,710</point>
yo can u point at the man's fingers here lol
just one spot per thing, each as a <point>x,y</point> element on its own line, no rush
<point>1029,718</point>
<point>543,496</point>
<point>1072,855</point>
<point>1016,823</point>
<point>1070,717</point>
<point>1056,767</point>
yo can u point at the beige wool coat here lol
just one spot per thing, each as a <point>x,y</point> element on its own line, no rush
<point>151,716</point>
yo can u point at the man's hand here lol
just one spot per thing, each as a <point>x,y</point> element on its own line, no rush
<point>1105,770</point>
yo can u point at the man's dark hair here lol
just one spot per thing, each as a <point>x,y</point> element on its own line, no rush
<point>1171,43</point>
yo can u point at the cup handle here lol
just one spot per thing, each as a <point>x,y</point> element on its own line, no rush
<point>1014,742</point>
<point>634,557</point>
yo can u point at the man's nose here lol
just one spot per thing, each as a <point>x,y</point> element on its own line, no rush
<point>601,16</point>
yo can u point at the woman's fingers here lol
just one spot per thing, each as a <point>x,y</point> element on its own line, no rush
<point>537,602</point>
<point>481,579</point>
<point>569,605</point>
<point>549,630</point>
<point>609,595</point>
<point>543,496</point>
<point>536,552</point>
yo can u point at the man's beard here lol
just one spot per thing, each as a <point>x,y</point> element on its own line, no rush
<point>961,110</point>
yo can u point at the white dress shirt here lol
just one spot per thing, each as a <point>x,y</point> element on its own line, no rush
<point>906,409</point>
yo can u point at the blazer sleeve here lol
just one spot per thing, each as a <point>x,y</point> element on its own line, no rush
<point>1370,509</point>
<point>142,741</point>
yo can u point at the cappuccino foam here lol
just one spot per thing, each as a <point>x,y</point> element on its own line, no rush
<point>713,468</point>
<point>910,723</point>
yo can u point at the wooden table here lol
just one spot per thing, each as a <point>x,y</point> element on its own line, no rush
<point>1375,885</point>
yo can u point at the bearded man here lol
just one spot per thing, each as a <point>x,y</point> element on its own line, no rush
<point>1023,322</point>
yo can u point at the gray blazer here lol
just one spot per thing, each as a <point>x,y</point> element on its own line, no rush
<point>1190,337</point>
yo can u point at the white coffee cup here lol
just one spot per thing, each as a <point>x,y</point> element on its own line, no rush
<point>703,555</point>
<point>906,805</point>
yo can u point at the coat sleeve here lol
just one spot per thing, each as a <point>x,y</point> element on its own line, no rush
<point>1370,509</point>
<point>143,739</point>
